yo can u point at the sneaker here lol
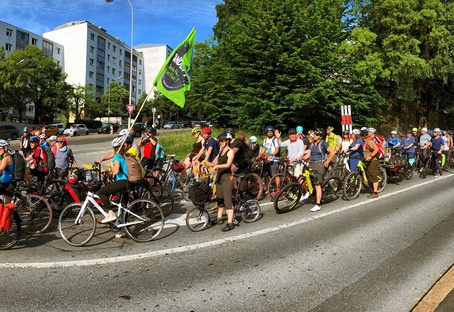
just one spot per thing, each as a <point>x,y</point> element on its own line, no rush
<point>120,235</point>
<point>235,221</point>
<point>276,192</point>
<point>109,219</point>
<point>305,196</point>
<point>219,221</point>
<point>316,208</point>
<point>228,227</point>
<point>373,195</point>
<point>438,175</point>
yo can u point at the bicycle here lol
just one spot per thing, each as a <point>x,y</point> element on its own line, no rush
<point>198,218</point>
<point>285,176</point>
<point>430,166</point>
<point>34,210</point>
<point>341,167</point>
<point>355,180</point>
<point>290,194</point>
<point>9,237</point>
<point>142,220</point>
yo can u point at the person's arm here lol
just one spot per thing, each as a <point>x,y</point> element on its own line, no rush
<point>115,167</point>
<point>106,157</point>
<point>208,153</point>
<point>6,161</point>
<point>72,159</point>
<point>373,153</point>
<point>230,157</point>
<point>330,156</point>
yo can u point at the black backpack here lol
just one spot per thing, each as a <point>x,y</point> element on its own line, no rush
<point>19,165</point>
<point>50,157</point>
<point>200,193</point>
<point>248,151</point>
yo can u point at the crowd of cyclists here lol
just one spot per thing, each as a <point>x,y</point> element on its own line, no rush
<point>228,156</point>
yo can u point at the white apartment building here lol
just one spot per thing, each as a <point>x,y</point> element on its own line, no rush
<point>95,58</point>
<point>15,38</point>
<point>154,56</point>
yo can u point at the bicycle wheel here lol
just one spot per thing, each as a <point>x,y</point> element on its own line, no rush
<point>77,228</point>
<point>352,185</point>
<point>197,219</point>
<point>144,220</point>
<point>288,197</point>
<point>9,238</point>
<point>58,201</point>
<point>250,211</point>
<point>141,190</point>
<point>164,198</point>
<point>185,193</point>
<point>167,179</point>
<point>273,188</point>
<point>250,187</point>
<point>36,213</point>
<point>426,169</point>
<point>382,179</point>
<point>340,172</point>
<point>331,189</point>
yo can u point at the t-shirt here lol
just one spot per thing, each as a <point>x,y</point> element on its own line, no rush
<point>159,152</point>
<point>123,172</point>
<point>437,143</point>
<point>270,145</point>
<point>369,147</point>
<point>331,140</point>
<point>424,139</point>
<point>63,157</point>
<point>393,141</point>
<point>295,149</point>
<point>239,158</point>
<point>407,141</point>
<point>318,151</point>
<point>211,142</point>
<point>359,152</point>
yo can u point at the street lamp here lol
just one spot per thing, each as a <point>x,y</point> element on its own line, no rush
<point>132,53</point>
<point>108,107</point>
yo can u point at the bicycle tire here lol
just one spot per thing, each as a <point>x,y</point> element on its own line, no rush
<point>382,179</point>
<point>271,186</point>
<point>164,198</point>
<point>250,211</point>
<point>288,197</point>
<point>167,179</point>
<point>35,212</point>
<point>148,220</point>
<point>197,219</point>
<point>58,201</point>
<point>77,234</point>
<point>10,238</point>
<point>265,179</point>
<point>340,172</point>
<point>185,193</point>
<point>250,187</point>
<point>351,186</point>
<point>331,188</point>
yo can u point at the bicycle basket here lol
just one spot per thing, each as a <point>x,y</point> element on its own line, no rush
<point>178,166</point>
<point>200,193</point>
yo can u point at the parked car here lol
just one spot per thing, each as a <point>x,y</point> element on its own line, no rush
<point>9,132</point>
<point>172,125</point>
<point>136,130</point>
<point>78,129</point>
<point>60,127</point>
<point>185,124</point>
<point>105,128</point>
<point>198,123</point>
<point>49,130</point>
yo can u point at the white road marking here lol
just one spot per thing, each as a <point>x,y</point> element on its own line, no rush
<point>216,242</point>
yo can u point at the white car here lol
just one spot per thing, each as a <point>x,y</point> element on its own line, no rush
<point>77,129</point>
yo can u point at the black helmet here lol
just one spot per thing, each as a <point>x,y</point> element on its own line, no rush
<point>364,133</point>
<point>318,132</point>
<point>151,130</point>
<point>346,131</point>
<point>231,131</point>
<point>224,136</point>
<point>269,128</point>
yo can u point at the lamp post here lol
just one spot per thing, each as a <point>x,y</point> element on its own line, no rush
<point>132,53</point>
<point>108,106</point>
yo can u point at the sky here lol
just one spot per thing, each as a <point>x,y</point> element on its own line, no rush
<point>155,21</point>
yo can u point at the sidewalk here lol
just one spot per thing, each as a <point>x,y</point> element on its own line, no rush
<point>440,298</point>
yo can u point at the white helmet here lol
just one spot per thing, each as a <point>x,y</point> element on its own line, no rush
<point>437,130</point>
<point>4,143</point>
<point>117,142</point>
<point>43,136</point>
<point>356,131</point>
<point>53,138</point>
<point>123,132</point>
<point>373,130</point>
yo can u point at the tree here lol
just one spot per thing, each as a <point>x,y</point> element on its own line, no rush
<point>113,101</point>
<point>83,102</point>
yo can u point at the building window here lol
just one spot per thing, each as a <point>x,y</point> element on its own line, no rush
<point>119,73</point>
<point>119,62</point>
<point>8,47</point>
<point>92,37</point>
<point>140,81</point>
<point>9,32</point>
<point>48,48</point>
<point>140,62</point>
<point>108,45</point>
<point>114,48</point>
<point>58,50</point>
<point>92,62</point>
<point>90,74</point>
<point>34,41</point>
<point>108,57</point>
<point>140,72</point>
<point>113,71</point>
<point>114,59</point>
<point>22,40</point>
<point>108,69</point>
<point>92,49</point>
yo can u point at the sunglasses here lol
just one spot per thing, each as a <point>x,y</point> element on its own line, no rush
<point>223,140</point>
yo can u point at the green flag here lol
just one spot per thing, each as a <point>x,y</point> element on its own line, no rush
<point>174,78</point>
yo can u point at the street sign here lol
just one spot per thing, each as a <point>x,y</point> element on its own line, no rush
<point>130,108</point>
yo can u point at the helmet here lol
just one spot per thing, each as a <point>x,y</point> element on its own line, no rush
<point>34,138</point>
<point>224,136</point>
<point>394,132</point>
<point>117,142</point>
<point>253,139</point>
<point>25,129</point>
<point>363,128</point>
<point>364,133</point>
<point>72,178</point>
<point>443,132</point>
<point>318,132</point>
<point>437,130</point>
<point>206,130</point>
<point>43,136</point>
<point>53,138</point>
<point>151,130</point>
<point>356,131</point>
<point>330,128</point>
<point>4,143</point>
<point>62,139</point>
<point>373,130</point>
<point>269,128</point>
<point>299,129</point>
<point>230,131</point>
<point>196,129</point>
<point>414,130</point>
<point>346,131</point>
<point>123,132</point>
<point>129,139</point>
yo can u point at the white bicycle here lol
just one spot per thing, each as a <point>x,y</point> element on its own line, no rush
<point>142,219</point>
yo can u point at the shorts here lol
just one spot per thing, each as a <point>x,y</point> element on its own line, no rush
<point>7,188</point>
<point>158,163</point>
<point>274,168</point>
<point>372,169</point>
<point>318,170</point>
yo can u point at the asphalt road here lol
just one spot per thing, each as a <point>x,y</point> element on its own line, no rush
<point>364,255</point>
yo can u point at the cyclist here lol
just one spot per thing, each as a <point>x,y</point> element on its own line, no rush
<point>24,143</point>
<point>53,144</point>
<point>316,155</point>
<point>120,171</point>
<point>124,133</point>
<point>210,145</point>
<point>256,149</point>
<point>393,140</point>
<point>414,133</point>
<point>42,140</point>
<point>160,155</point>
<point>7,183</point>
<point>192,159</point>
<point>63,158</point>
<point>356,150</point>
<point>409,145</point>
<point>148,142</point>
<point>437,146</point>
<point>371,161</point>
<point>240,161</point>
<point>424,141</point>
<point>299,133</point>
<point>332,139</point>
<point>377,138</point>
<point>38,161</point>
<point>448,144</point>
<point>224,182</point>
<point>272,151</point>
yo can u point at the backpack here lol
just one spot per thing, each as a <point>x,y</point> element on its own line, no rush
<point>19,165</point>
<point>200,193</point>
<point>248,152</point>
<point>381,151</point>
<point>50,157</point>
<point>135,170</point>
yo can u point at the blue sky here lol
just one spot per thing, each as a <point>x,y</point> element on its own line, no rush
<point>155,21</point>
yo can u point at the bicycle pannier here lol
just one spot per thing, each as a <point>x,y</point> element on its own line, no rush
<point>200,193</point>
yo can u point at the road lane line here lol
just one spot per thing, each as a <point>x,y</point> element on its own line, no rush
<point>216,242</point>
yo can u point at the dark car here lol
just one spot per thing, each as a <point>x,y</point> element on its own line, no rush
<point>185,124</point>
<point>136,129</point>
<point>105,128</point>
<point>9,132</point>
<point>198,123</point>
